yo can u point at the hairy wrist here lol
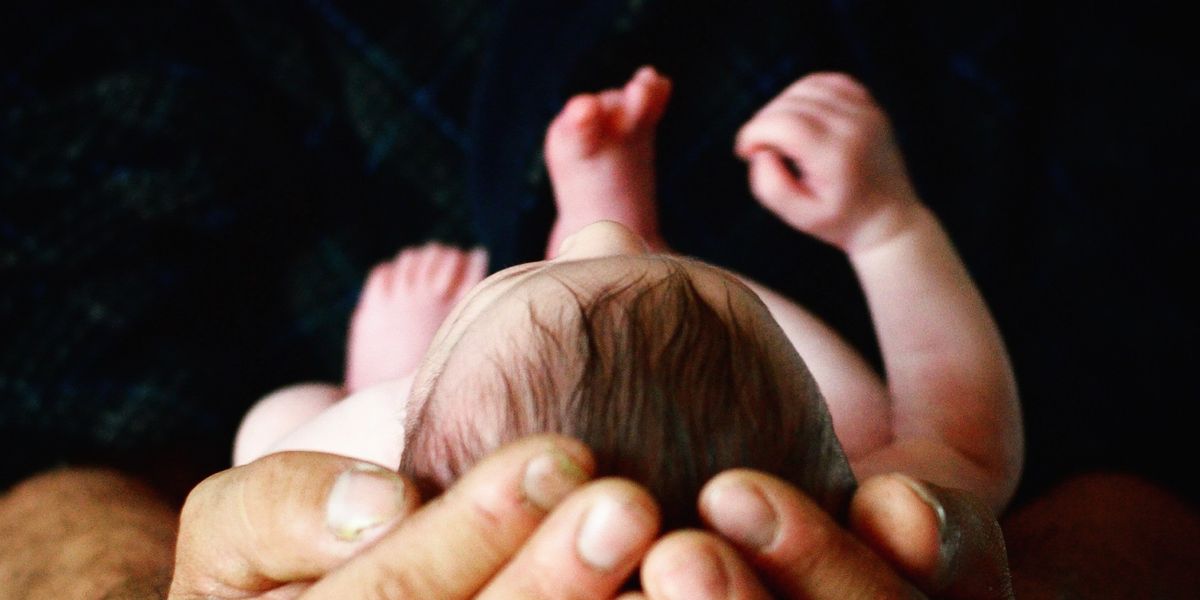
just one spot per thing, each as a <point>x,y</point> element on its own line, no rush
<point>77,533</point>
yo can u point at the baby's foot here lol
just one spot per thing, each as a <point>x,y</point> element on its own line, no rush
<point>402,305</point>
<point>600,154</point>
<point>823,158</point>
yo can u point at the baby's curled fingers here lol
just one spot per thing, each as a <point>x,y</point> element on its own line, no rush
<point>822,104</point>
<point>774,183</point>
<point>793,133</point>
<point>834,84</point>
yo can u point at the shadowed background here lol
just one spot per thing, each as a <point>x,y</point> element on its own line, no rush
<point>192,192</point>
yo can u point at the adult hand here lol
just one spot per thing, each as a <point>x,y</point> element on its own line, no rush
<point>524,522</point>
<point>84,533</point>
<point>486,536</point>
<point>904,537</point>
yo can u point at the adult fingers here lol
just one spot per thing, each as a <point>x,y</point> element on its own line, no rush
<point>451,547</point>
<point>586,548</point>
<point>286,517</point>
<point>793,542</point>
<point>696,565</point>
<point>946,541</point>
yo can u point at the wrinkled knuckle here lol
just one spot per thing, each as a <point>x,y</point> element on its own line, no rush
<point>484,512</point>
<point>203,495</point>
<point>394,589</point>
<point>798,123</point>
<point>808,116</point>
<point>815,123</point>
<point>489,517</point>
<point>280,462</point>
<point>817,540</point>
<point>845,80</point>
<point>547,581</point>
<point>288,527</point>
<point>394,582</point>
<point>841,81</point>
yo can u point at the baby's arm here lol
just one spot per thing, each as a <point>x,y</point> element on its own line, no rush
<point>954,398</point>
<point>400,309</point>
<point>857,398</point>
<point>951,395</point>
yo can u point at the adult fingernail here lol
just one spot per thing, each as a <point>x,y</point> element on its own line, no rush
<point>362,498</point>
<point>700,576</point>
<point>550,477</point>
<point>947,544</point>
<point>611,532</point>
<point>929,498</point>
<point>739,512</point>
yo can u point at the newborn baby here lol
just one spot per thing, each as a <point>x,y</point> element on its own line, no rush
<point>670,369</point>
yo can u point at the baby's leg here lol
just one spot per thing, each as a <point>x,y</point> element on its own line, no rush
<point>600,154</point>
<point>402,305</point>
<point>823,158</point>
<point>856,395</point>
<point>367,425</point>
<point>278,414</point>
<point>322,418</point>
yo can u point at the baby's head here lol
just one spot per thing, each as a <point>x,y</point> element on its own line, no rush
<point>670,370</point>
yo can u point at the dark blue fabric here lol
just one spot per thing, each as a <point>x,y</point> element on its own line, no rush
<point>191,192</point>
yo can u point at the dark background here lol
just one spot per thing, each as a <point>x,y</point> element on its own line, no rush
<point>192,192</point>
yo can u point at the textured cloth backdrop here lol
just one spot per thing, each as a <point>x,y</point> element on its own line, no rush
<point>191,193</point>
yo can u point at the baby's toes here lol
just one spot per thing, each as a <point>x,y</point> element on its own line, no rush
<point>428,275</point>
<point>645,99</point>
<point>410,267</point>
<point>578,130</point>
<point>447,271</point>
<point>377,286</point>
<point>474,270</point>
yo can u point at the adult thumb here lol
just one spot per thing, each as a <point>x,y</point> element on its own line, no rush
<point>285,518</point>
<point>947,542</point>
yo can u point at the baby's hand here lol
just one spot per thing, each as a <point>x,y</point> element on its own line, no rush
<point>822,158</point>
